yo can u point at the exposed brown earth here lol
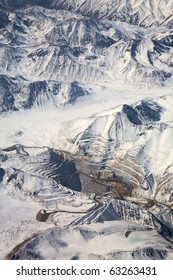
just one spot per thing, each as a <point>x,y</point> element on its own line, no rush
<point>18,247</point>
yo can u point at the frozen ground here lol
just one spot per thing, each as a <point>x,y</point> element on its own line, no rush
<point>54,128</point>
<point>39,127</point>
<point>86,129</point>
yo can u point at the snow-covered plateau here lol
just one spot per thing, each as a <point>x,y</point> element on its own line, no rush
<point>86,129</point>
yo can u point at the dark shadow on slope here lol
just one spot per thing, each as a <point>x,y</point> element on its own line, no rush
<point>2,173</point>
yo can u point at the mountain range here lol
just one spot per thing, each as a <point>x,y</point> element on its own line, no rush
<point>86,129</point>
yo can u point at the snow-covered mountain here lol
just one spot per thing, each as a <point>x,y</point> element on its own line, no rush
<point>45,48</point>
<point>86,129</point>
<point>48,179</point>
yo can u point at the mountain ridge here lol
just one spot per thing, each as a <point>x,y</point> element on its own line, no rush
<point>86,129</point>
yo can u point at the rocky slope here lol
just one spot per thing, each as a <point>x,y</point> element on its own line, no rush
<point>47,48</point>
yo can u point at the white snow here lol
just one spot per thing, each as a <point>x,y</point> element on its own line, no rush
<point>40,126</point>
<point>133,151</point>
<point>53,128</point>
